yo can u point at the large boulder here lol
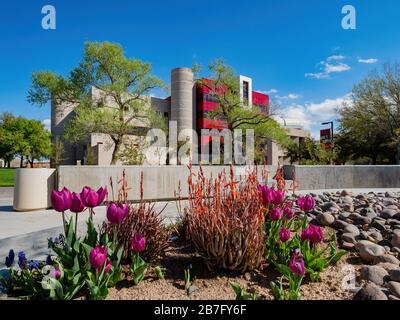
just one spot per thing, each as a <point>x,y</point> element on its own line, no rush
<point>394,288</point>
<point>396,238</point>
<point>369,251</point>
<point>388,258</point>
<point>370,291</point>
<point>374,274</point>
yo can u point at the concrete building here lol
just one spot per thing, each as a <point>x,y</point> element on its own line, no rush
<point>189,105</point>
<point>275,153</point>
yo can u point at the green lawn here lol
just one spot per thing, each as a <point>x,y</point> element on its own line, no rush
<point>7,177</point>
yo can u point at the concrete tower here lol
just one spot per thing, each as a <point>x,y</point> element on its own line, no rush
<point>182,94</point>
<point>182,101</point>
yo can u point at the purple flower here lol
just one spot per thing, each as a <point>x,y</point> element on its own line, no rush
<point>288,212</point>
<point>97,257</point>
<point>306,203</point>
<point>284,234</point>
<point>91,198</point>
<point>313,233</point>
<point>33,265</point>
<point>76,203</point>
<point>138,243</point>
<point>274,214</point>
<point>108,266</point>
<point>116,213</point>
<point>22,261</point>
<point>57,272</point>
<point>296,263</point>
<point>270,195</point>
<point>10,258</point>
<point>61,200</point>
<point>278,197</point>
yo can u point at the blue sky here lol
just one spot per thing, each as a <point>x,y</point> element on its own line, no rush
<point>296,50</point>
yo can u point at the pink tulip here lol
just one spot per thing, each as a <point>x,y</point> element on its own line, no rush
<point>274,214</point>
<point>76,205</point>
<point>265,194</point>
<point>288,212</point>
<point>138,243</point>
<point>91,198</point>
<point>57,272</point>
<point>306,203</point>
<point>284,234</point>
<point>102,192</point>
<point>296,263</point>
<point>313,233</point>
<point>61,200</point>
<point>116,213</point>
<point>108,266</point>
<point>97,257</point>
<point>278,197</point>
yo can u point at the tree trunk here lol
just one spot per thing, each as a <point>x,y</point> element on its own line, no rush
<point>117,147</point>
<point>21,164</point>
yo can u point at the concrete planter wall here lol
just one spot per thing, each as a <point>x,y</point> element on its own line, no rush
<point>159,183</point>
<point>347,176</point>
<point>33,188</point>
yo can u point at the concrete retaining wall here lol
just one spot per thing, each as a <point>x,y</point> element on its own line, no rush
<point>160,183</point>
<point>338,177</point>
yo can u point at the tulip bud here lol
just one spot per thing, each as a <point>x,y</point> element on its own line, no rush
<point>61,200</point>
<point>138,243</point>
<point>97,257</point>
<point>306,203</point>
<point>76,203</point>
<point>284,234</point>
<point>274,214</point>
<point>116,213</point>
<point>296,263</point>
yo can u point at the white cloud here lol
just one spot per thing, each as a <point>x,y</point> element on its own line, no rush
<point>311,115</point>
<point>340,67</point>
<point>47,124</point>
<point>368,61</point>
<point>335,58</point>
<point>331,65</point>
<point>290,96</point>
<point>269,92</point>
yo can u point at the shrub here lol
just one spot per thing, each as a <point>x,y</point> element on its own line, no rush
<point>142,219</point>
<point>223,220</point>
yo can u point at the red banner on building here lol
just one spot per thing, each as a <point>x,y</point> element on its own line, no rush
<point>326,138</point>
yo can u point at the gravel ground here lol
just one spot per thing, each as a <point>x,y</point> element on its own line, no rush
<point>215,285</point>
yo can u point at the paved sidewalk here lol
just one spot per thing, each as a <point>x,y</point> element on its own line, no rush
<point>29,231</point>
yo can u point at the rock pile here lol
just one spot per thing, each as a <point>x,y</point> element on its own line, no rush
<point>369,224</point>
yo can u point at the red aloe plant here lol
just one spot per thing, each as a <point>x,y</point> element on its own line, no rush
<point>223,220</point>
<point>142,219</point>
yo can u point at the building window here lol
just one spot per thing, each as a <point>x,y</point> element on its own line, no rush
<point>246,93</point>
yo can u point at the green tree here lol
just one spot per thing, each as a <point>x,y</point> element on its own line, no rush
<point>225,87</point>
<point>37,140</point>
<point>369,125</point>
<point>121,109</point>
<point>26,138</point>
<point>310,151</point>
